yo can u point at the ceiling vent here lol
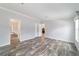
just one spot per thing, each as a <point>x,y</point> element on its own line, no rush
<point>77,12</point>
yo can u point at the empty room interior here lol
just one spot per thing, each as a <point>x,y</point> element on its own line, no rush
<point>39,29</point>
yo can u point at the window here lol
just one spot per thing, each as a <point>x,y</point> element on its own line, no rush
<point>77,29</point>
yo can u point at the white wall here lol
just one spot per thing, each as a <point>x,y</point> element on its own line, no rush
<point>61,30</point>
<point>58,29</point>
<point>27,30</point>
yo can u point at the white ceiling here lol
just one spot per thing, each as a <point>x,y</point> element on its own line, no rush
<point>45,11</point>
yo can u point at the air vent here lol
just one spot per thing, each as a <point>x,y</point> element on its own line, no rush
<point>77,12</point>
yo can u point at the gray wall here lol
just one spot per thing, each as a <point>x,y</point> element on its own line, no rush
<point>61,30</point>
<point>57,29</point>
<point>27,30</point>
